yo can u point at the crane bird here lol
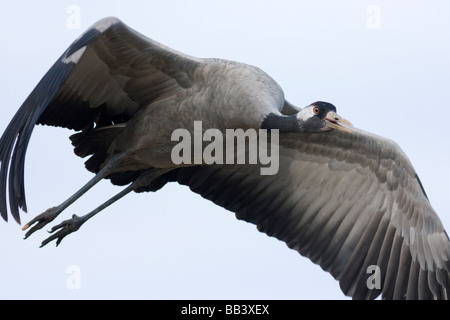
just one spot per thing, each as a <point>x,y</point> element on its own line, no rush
<point>346,199</point>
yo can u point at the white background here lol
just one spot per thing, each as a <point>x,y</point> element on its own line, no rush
<point>386,68</point>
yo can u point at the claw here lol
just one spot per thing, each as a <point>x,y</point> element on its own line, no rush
<point>67,227</point>
<point>41,220</point>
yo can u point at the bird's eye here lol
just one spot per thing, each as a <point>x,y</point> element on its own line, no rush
<point>316,110</point>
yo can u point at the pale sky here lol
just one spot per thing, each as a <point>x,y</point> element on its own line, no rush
<point>385,65</point>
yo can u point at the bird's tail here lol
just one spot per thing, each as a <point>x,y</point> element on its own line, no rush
<point>96,143</point>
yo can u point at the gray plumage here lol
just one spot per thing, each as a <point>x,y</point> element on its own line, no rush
<point>345,199</point>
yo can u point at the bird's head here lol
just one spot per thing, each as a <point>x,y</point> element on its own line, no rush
<point>321,116</point>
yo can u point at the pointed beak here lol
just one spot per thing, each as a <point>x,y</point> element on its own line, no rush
<point>334,121</point>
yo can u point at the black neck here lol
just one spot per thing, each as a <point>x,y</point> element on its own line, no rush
<point>281,122</point>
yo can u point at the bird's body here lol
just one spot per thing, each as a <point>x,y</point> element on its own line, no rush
<point>242,104</point>
<point>345,198</point>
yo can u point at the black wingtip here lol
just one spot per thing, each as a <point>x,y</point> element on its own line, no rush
<point>4,215</point>
<point>14,141</point>
<point>421,186</point>
<point>17,219</point>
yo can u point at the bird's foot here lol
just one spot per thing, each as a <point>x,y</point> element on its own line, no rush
<point>66,227</point>
<point>41,220</point>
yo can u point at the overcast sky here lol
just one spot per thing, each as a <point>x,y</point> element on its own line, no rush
<point>384,64</point>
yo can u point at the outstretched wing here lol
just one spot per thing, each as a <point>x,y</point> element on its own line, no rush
<point>347,202</point>
<point>103,78</point>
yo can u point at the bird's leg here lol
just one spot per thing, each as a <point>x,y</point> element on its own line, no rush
<point>51,213</point>
<point>68,226</point>
<point>72,225</point>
